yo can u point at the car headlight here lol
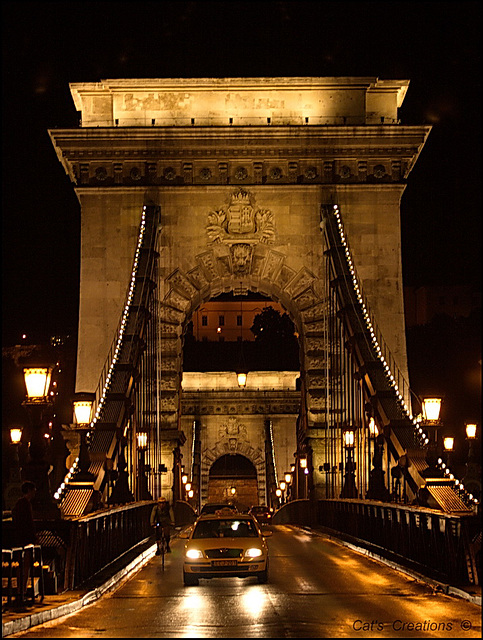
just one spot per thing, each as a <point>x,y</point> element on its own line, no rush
<point>253,553</point>
<point>194,554</point>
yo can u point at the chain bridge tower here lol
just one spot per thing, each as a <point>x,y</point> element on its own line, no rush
<point>193,187</point>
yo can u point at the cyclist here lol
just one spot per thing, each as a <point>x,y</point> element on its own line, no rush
<point>162,519</point>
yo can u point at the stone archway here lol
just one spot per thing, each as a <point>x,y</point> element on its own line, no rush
<point>234,444</point>
<point>237,472</point>
<point>240,262</point>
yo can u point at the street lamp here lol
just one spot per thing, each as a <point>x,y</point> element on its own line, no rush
<point>241,369</point>
<point>37,383</point>
<point>82,405</point>
<point>13,490</point>
<point>377,485</point>
<point>431,409</point>
<point>471,431</point>
<point>472,478</point>
<point>283,487</point>
<point>15,435</point>
<point>278,493</point>
<point>349,489</point>
<point>288,482</point>
<point>143,491</point>
<point>38,404</point>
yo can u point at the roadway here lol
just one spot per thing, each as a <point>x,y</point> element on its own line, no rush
<point>317,588</point>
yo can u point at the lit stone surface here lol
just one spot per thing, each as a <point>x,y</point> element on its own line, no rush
<point>238,101</point>
<point>256,380</point>
<point>240,205</point>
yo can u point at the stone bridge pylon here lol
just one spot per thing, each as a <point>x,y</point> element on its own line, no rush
<point>240,169</point>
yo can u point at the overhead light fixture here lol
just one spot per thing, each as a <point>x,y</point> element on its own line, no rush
<point>241,370</point>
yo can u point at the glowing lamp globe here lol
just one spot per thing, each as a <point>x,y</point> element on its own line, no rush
<point>37,382</point>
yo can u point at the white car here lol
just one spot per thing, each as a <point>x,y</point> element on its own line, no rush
<point>225,544</point>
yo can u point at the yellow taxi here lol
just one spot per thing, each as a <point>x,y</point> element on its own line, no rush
<point>225,544</point>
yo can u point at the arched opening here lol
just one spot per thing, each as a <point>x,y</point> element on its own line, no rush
<point>233,478</point>
<point>228,324</point>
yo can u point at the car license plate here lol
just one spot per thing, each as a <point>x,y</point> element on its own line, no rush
<point>224,563</point>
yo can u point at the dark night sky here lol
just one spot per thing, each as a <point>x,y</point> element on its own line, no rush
<point>46,45</point>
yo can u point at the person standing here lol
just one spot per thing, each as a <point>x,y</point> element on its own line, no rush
<point>162,518</point>
<point>24,530</point>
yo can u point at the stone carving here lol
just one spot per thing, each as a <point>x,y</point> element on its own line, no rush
<point>275,173</point>
<point>306,299</point>
<point>233,428</point>
<point>303,279</point>
<point>101,173</point>
<point>240,256</point>
<point>311,173</point>
<point>169,173</point>
<point>205,173</point>
<point>241,173</point>
<point>176,300</point>
<point>168,314</point>
<point>345,172</point>
<point>198,277</point>
<point>272,264</point>
<point>379,171</point>
<point>180,282</point>
<point>240,221</point>
<point>207,260</point>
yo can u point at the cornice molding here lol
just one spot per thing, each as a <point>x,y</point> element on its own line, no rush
<point>143,156</point>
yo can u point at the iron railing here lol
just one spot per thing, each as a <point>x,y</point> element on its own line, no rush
<point>435,544</point>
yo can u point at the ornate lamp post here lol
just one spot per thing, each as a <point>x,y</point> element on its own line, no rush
<point>82,406</point>
<point>288,482</point>
<point>278,493</point>
<point>472,478</point>
<point>37,469</point>
<point>431,408</point>
<point>349,489</point>
<point>377,486</point>
<point>13,490</point>
<point>143,491</point>
<point>305,471</point>
<point>283,487</point>
<point>448,444</point>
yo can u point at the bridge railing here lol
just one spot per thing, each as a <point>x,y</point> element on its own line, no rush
<point>78,548</point>
<point>434,543</point>
<point>98,539</point>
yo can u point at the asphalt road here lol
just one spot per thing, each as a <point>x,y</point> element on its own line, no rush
<point>317,589</point>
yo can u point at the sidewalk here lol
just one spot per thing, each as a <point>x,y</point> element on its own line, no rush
<point>55,606</point>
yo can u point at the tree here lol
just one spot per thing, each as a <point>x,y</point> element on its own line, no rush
<point>276,339</point>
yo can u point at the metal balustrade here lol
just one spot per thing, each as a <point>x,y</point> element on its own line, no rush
<point>98,539</point>
<point>16,562</point>
<point>435,544</point>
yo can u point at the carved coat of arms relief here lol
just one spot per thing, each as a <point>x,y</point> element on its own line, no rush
<point>240,226</point>
<point>240,222</point>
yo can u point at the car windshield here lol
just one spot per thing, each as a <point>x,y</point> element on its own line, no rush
<point>229,528</point>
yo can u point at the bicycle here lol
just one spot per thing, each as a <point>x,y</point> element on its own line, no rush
<point>162,544</point>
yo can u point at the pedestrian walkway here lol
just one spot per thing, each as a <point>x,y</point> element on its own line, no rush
<point>56,606</point>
